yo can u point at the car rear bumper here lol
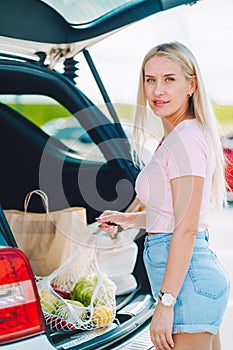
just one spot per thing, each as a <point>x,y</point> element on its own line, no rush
<point>39,342</point>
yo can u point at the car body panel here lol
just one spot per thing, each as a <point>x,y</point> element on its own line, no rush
<point>36,343</point>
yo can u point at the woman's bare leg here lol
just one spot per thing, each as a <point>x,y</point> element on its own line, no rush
<point>193,341</point>
<point>216,342</point>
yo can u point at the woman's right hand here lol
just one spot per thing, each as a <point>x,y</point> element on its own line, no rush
<point>110,220</point>
<point>120,221</point>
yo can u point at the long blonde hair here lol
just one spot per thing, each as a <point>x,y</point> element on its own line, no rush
<point>199,107</point>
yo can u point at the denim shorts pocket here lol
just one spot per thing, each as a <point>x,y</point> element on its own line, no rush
<point>208,276</point>
<point>156,254</point>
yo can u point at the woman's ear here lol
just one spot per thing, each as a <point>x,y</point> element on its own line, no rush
<point>192,86</point>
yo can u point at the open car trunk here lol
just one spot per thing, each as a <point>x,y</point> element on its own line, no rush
<point>36,36</point>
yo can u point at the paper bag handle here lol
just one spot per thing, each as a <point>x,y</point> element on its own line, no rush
<point>40,193</point>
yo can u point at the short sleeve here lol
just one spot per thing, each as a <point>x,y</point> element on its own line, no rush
<point>187,155</point>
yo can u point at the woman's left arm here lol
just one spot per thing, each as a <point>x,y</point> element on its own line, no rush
<point>187,198</point>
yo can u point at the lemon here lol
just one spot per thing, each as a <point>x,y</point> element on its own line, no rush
<point>102,315</point>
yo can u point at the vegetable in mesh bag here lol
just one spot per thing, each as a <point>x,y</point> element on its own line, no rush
<point>71,312</point>
<point>58,312</point>
<point>85,285</point>
<point>48,301</point>
<point>86,289</point>
<point>91,305</point>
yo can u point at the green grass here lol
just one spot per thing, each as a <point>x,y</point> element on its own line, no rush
<point>41,113</point>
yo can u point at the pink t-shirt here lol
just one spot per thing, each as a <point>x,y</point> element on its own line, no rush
<point>184,152</point>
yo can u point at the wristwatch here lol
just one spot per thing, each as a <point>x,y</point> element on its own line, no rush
<point>167,299</point>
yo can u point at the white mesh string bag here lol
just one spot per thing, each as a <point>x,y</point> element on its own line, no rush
<point>78,295</point>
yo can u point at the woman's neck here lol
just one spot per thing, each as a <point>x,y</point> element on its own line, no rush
<point>171,123</point>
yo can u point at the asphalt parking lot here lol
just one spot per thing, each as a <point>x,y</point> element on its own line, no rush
<point>221,241</point>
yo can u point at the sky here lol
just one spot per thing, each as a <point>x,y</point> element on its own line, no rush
<point>206,28</point>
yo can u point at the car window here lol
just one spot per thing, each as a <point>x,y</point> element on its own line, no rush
<point>37,109</point>
<point>80,12</point>
<point>55,120</point>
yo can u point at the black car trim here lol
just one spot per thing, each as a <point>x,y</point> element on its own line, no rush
<point>102,89</point>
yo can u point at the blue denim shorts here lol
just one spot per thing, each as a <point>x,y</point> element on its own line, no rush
<point>204,294</point>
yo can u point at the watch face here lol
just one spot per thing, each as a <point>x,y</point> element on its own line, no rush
<point>167,299</point>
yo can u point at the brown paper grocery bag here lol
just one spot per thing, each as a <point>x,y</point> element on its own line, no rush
<point>49,238</point>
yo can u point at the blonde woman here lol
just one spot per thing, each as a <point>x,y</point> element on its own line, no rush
<point>178,185</point>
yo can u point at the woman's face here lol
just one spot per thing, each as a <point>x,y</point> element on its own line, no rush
<point>166,88</point>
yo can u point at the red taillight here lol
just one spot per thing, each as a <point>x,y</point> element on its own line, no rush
<point>20,311</point>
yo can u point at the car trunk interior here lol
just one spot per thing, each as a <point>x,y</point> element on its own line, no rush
<point>22,174</point>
